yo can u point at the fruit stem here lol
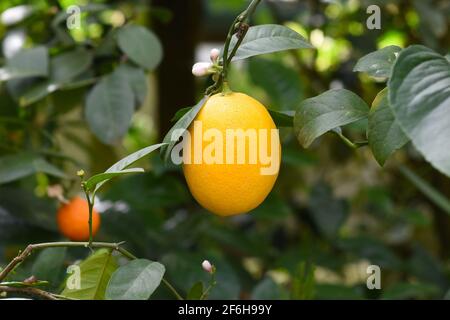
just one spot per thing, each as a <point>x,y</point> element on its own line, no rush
<point>226,88</point>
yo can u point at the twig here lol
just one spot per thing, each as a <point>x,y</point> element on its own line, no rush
<point>35,292</point>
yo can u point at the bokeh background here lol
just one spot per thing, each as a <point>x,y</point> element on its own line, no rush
<point>333,212</point>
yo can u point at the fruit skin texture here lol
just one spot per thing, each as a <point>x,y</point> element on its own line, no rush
<point>230,189</point>
<point>73,217</point>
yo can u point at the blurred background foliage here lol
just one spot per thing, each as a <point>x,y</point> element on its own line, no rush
<point>333,211</point>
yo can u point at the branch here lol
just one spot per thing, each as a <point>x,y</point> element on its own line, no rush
<point>34,292</point>
<point>28,250</point>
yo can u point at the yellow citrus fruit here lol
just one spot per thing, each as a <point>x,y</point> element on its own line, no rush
<point>231,187</point>
<point>73,217</point>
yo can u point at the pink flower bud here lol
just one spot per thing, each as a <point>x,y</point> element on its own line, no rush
<point>201,69</point>
<point>207,266</point>
<point>214,55</point>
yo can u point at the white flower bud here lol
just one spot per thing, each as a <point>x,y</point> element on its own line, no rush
<point>214,55</point>
<point>201,69</point>
<point>207,266</point>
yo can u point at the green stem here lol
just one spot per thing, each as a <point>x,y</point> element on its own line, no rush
<point>171,288</point>
<point>353,145</point>
<point>91,207</point>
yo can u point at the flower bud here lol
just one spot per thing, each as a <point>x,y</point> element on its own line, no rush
<point>201,69</point>
<point>214,55</point>
<point>207,266</point>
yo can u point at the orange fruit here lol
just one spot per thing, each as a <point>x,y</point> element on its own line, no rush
<point>73,220</point>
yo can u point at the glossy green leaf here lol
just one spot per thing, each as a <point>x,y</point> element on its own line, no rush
<point>92,182</point>
<point>141,45</point>
<point>136,280</point>
<point>427,189</point>
<point>110,107</point>
<point>196,292</point>
<point>20,165</point>
<point>327,212</point>
<point>120,165</point>
<point>332,109</point>
<point>268,38</point>
<point>282,119</point>
<point>419,95</point>
<point>384,134</point>
<point>268,289</point>
<point>95,272</point>
<point>182,124</point>
<point>378,64</point>
<point>26,63</point>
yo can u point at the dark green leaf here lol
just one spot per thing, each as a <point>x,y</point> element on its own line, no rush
<point>328,213</point>
<point>137,81</point>
<point>281,83</point>
<point>136,280</point>
<point>378,64</point>
<point>182,124</point>
<point>334,108</point>
<point>67,66</point>
<point>410,291</point>
<point>267,289</point>
<point>384,134</point>
<point>268,38</point>
<point>120,165</point>
<point>26,63</point>
<point>282,119</point>
<point>95,272</point>
<point>109,108</point>
<point>141,46</point>
<point>419,95</point>
<point>17,166</point>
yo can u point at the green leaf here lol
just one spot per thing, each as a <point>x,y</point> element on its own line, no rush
<point>101,177</point>
<point>110,107</point>
<point>327,212</point>
<point>196,292</point>
<point>410,291</point>
<point>384,134</point>
<point>48,264</point>
<point>182,124</point>
<point>427,189</point>
<point>68,65</point>
<point>137,81</point>
<point>419,95</point>
<point>180,113</point>
<point>268,38</point>
<point>141,45</point>
<point>332,109</point>
<point>281,119</point>
<point>120,165</point>
<point>95,272</point>
<point>26,63</point>
<point>37,92</point>
<point>136,280</point>
<point>20,165</point>
<point>378,64</point>
<point>281,83</point>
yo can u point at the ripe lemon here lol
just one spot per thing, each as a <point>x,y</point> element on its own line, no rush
<point>73,217</point>
<point>231,187</point>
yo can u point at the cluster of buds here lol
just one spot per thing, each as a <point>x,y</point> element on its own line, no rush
<point>201,69</point>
